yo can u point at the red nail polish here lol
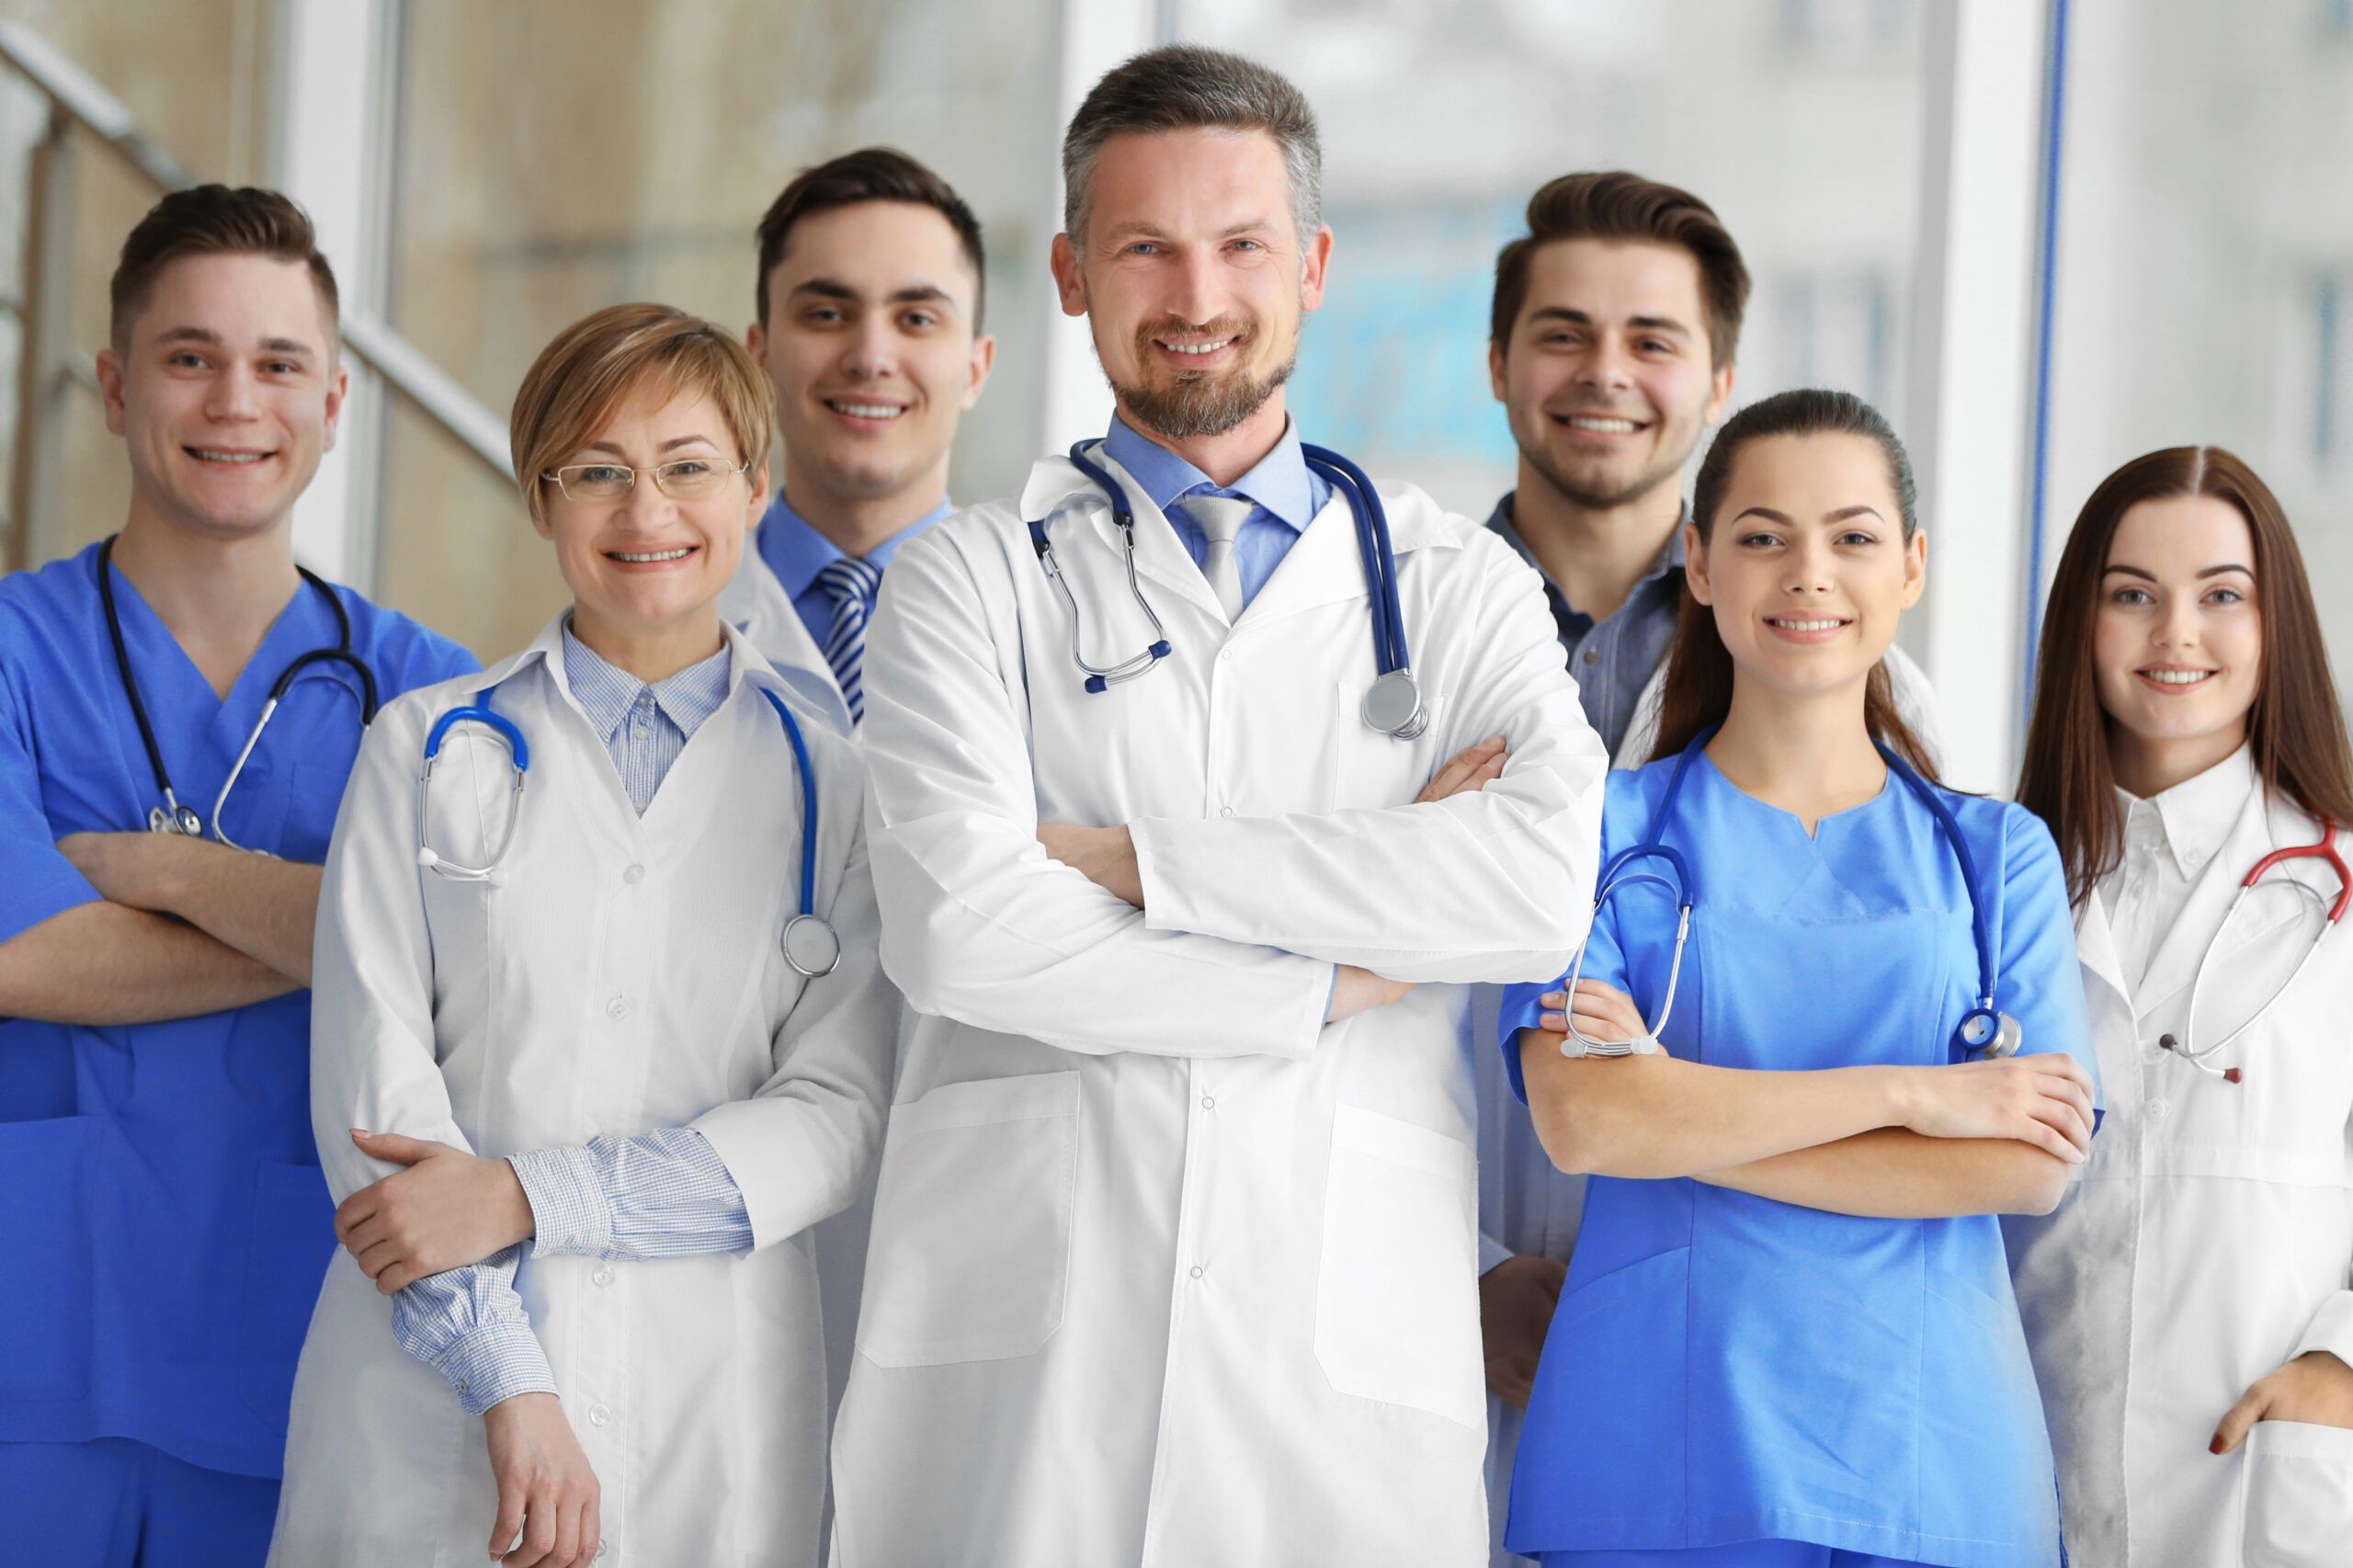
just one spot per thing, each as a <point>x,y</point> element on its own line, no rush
<point>2216,1445</point>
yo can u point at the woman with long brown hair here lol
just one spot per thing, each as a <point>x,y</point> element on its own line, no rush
<point>2188,1308</point>
<point>1787,1338</point>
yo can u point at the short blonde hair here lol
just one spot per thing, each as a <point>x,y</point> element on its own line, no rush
<point>581,380</point>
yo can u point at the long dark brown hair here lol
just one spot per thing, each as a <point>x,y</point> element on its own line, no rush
<point>1698,690</point>
<point>2295,731</point>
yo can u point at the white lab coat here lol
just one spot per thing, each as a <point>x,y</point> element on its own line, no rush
<point>1526,1206</point>
<point>629,976</point>
<point>2206,1241</point>
<point>1165,1271</point>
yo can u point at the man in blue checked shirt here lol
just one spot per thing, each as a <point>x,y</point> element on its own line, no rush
<point>161,1205</point>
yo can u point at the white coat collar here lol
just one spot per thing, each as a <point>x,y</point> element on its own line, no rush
<point>2193,818</point>
<point>746,664</point>
<point>2260,827</point>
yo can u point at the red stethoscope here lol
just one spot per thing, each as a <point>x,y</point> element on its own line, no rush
<point>2186,1047</point>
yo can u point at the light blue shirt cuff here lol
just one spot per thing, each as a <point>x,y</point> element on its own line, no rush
<point>570,1214</point>
<point>468,1325</point>
<point>496,1362</point>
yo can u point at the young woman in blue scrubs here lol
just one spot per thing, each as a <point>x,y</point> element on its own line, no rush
<point>1787,1339</point>
<point>162,1214</point>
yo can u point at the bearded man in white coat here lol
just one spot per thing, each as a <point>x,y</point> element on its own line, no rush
<point>1174,1243</point>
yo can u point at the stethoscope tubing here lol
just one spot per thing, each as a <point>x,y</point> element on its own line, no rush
<point>184,819</point>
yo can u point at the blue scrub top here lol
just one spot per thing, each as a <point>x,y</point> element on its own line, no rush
<point>162,1221</point>
<point>1724,1367</point>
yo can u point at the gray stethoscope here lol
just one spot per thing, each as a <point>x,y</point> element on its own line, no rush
<point>1984,1030</point>
<point>811,944</point>
<point>2325,851</point>
<point>171,816</point>
<point>1393,705</point>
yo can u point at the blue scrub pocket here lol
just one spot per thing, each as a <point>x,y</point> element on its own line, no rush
<point>291,1238</point>
<point>45,1217</point>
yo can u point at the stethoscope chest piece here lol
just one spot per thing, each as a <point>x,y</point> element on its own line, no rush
<point>1394,706</point>
<point>178,819</point>
<point>1991,1033</point>
<point>811,945</point>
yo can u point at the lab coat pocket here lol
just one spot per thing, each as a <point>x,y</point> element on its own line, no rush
<point>45,1213</point>
<point>971,1249</point>
<point>2298,1486</point>
<point>289,1237</point>
<point>1396,1299</point>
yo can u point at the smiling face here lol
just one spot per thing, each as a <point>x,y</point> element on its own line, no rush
<point>1192,277</point>
<point>225,391</point>
<point>872,350</point>
<point>2178,639</point>
<point>648,563</point>
<point>1607,379</point>
<point>1806,564</point>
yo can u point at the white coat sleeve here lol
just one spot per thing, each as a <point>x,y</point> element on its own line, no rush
<point>978,923</point>
<point>373,1061</point>
<point>799,1149</point>
<point>1492,885</point>
<point>2332,1328</point>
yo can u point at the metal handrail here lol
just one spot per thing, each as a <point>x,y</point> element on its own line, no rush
<point>72,92</point>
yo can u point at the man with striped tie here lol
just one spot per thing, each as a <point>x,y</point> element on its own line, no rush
<point>870,298</point>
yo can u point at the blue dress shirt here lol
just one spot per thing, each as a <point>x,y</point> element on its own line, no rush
<point>796,552</point>
<point>664,1193</point>
<point>1287,492</point>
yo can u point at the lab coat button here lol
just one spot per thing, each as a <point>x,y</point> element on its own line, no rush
<point>599,1415</point>
<point>1197,1271</point>
<point>1226,811</point>
<point>604,1275</point>
<point>617,1008</point>
<point>1209,1102</point>
<point>635,875</point>
<point>602,1547</point>
<point>2158,1109</point>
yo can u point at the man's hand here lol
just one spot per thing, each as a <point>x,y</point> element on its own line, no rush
<point>1105,855</point>
<point>2315,1388</point>
<point>547,1491</point>
<point>1358,991</point>
<point>448,1209</point>
<point>1516,1301</point>
<point>1471,770</point>
<point>138,870</point>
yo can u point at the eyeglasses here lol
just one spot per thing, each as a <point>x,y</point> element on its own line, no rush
<point>689,479</point>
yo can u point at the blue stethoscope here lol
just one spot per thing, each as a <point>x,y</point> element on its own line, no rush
<point>811,945</point>
<point>1393,705</point>
<point>171,815</point>
<point>1984,1030</point>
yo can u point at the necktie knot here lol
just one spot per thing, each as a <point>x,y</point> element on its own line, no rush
<point>1220,519</point>
<point>847,578</point>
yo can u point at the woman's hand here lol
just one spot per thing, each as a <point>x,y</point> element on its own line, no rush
<point>2045,1100</point>
<point>546,1492</point>
<point>2315,1388</point>
<point>1358,991</point>
<point>448,1209</point>
<point>1471,770</point>
<point>1602,1012</point>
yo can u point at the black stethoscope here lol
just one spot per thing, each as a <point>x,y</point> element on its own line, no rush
<point>1393,705</point>
<point>171,816</point>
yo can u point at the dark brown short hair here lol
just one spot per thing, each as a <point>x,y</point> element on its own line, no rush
<point>2296,730</point>
<point>1615,205</point>
<point>870,174</point>
<point>214,219</point>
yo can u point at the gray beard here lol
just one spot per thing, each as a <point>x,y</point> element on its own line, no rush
<point>1196,406</point>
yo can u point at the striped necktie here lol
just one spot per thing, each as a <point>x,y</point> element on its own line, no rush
<point>851,584</point>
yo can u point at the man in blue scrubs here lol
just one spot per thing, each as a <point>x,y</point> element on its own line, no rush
<point>869,297</point>
<point>162,1213</point>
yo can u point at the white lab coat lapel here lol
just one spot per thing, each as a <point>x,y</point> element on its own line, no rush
<point>756,604</point>
<point>1068,499</point>
<point>2095,950</point>
<point>2175,963</point>
<point>1326,566</point>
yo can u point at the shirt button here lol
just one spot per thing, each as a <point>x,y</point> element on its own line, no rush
<point>465,1385</point>
<point>617,1008</point>
<point>604,1275</point>
<point>1593,655</point>
<point>599,1415</point>
<point>1197,1271</point>
<point>635,875</point>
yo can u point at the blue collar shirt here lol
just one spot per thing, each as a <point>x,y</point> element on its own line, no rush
<point>1287,492</point>
<point>796,552</point>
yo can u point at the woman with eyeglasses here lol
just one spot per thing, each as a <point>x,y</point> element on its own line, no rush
<point>600,1032</point>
